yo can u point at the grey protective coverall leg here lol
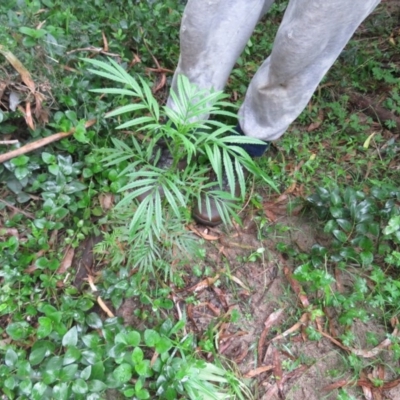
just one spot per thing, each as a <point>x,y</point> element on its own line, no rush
<point>310,38</point>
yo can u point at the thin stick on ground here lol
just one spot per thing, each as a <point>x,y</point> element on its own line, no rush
<point>41,143</point>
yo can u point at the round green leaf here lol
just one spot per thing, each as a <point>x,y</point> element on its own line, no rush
<point>163,345</point>
<point>18,330</point>
<point>366,257</point>
<point>67,374</point>
<point>21,173</point>
<point>151,337</point>
<point>123,373</point>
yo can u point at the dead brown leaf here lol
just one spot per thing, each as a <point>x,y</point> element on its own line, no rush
<point>318,122</point>
<point>105,42</point>
<point>258,371</point>
<point>19,67</point>
<point>66,261</point>
<point>296,286</point>
<point>204,234</point>
<point>277,369</point>
<point>303,320</point>
<point>106,201</point>
<point>204,284</point>
<point>270,321</point>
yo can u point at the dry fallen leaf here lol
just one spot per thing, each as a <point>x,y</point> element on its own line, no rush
<point>19,67</point>
<point>258,371</point>
<point>66,261</point>
<point>204,284</point>
<point>203,235</point>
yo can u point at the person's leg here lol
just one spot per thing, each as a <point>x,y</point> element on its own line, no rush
<point>213,35</point>
<point>311,36</point>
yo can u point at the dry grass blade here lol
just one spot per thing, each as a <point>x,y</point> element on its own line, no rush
<point>19,67</point>
<point>40,143</point>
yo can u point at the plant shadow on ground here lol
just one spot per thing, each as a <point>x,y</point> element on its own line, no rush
<point>291,301</point>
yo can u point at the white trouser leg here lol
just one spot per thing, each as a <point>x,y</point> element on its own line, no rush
<point>213,35</point>
<point>311,36</point>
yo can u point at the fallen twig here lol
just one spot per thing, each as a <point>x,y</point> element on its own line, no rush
<point>41,143</point>
<point>5,142</point>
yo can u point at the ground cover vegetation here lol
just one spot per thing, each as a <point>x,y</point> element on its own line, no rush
<point>100,292</point>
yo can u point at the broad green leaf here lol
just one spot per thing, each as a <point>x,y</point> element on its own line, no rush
<point>45,327</point>
<point>94,321</point>
<point>71,355</point>
<point>71,337</point>
<point>137,355</point>
<point>61,391</point>
<point>79,386</point>
<point>131,338</point>
<point>18,330</point>
<point>68,373</point>
<point>151,337</point>
<point>11,357</point>
<point>346,225</point>
<point>40,350</point>
<point>367,258</point>
<point>340,235</point>
<point>86,372</point>
<point>38,390</point>
<point>123,373</point>
<point>96,386</point>
<point>143,367</point>
<point>163,345</point>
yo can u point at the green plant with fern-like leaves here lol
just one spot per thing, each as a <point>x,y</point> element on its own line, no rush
<point>206,147</point>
